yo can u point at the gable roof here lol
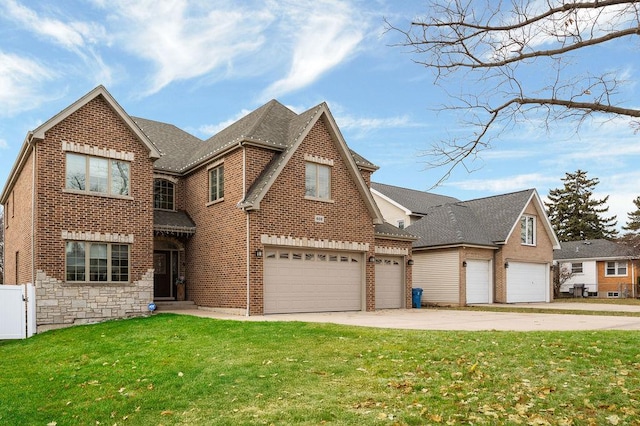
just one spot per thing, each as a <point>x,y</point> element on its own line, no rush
<point>175,144</point>
<point>388,231</point>
<point>410,200</point>
<point>488,221</point>
<point>595,250</point>
<point>39,132</point>
<point>297,128</point>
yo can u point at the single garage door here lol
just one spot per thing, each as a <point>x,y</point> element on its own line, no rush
<point>297,280</point>
<point>389,288</point>
<point>527,282</point>
<point>478,281</point>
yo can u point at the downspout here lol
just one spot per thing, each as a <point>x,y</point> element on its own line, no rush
<point>248,242</point>
<point>33,213</point>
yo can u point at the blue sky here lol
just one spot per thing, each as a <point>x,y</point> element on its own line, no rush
<point>203,64</point>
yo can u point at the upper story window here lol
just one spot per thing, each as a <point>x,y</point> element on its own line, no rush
<point>528,230</point>
<point>616,269</point>
<point>97,262</point>
<point>576,268</point>
<point>97,175</point>
<point>318,181</point>
<point>163,194</point>
<point>401,223</point>
<point>216,183</point>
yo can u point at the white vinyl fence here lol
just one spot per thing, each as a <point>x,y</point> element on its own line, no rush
<point>17,311</point>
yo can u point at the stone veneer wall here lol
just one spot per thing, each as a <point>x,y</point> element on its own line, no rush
<point>62,305</point>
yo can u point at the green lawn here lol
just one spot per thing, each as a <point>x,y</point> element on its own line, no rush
<point>173,369</point>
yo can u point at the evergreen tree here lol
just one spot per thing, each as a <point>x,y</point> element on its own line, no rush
<point>633,224</point>
<point>573,212</point>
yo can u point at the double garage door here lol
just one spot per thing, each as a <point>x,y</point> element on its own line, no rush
<point>299,280</point>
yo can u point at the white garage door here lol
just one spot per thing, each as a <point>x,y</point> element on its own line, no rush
<point>389,288</point>
<point>478,281</point>
<point>297,280</point>
<point>527,282</point>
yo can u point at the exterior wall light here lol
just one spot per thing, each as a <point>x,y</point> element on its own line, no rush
<point>506,264</point>
<point>464,263</point>
<point>259,253</point>
<point>410,262</point>
<point>372,259</point>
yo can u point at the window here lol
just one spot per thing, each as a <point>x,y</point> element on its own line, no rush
<point>528,230</point>
<point>576,268</point>
<point>616,269</point>
<point>318,181</point>
<point>613,294</point>
<point>401,224</point>
<point>163,194</point>
<point>216,183</point>
<point>97,175</point>
<point>97,262</point>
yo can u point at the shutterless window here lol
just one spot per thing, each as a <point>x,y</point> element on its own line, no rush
<point>96,262</point>
<point>576,268</point>
<point>616,269</point>
<point>97,175</point>
<point>163,194</point>
<point>318,181</point>
<point>527,230</point>
<point>216,183</point>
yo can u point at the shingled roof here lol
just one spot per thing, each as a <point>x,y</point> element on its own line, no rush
<point>595,249</point>
<point>486,222</point>
<point>418,202</point>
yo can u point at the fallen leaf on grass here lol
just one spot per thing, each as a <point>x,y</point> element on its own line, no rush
<point>613,419</point>
<point>166,413</point>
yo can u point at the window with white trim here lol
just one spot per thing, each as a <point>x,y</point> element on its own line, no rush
<point>163,194</point>
<point>401,223</point>
<point>616,269</point>
<point>216,183</point>
<point>528,230</point>
<point>96,262</point>
<point>97,175</point>
<point>317,181</point>
<point>576,268</point>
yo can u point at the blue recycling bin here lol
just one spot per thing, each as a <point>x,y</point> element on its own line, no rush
<point>416,297</point>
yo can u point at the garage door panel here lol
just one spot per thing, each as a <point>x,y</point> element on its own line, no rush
<point>527,282</point>
<point>478,281</point>
<point>309,281</point>
<point>389,282</point>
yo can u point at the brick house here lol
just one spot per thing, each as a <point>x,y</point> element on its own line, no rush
<point>105,212</point>
<point>492,249</point>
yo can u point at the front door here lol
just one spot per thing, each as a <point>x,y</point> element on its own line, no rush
<point>162,274</point>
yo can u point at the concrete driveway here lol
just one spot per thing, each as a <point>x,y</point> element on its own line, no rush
<point>444,319</point>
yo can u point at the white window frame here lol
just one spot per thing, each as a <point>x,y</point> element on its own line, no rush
<point>528,229</point>
<point>87,263</point>
<point>614,294</point>
<point>401,223</point>
<point>87,175</point>
<point>218,168</point>
<point>314,191</point>
<point>617,267</point>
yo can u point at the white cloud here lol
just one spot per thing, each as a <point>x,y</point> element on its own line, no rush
<point>211,129</point>
<point>72,35</point>
<point>504,184</point>
<point>21,84</point>
<point>185,40</point>
<point>325,33</point>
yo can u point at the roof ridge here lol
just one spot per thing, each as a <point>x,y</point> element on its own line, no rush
<point>499,195</point>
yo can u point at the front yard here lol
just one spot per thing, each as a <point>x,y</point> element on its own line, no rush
<point>170,369</point>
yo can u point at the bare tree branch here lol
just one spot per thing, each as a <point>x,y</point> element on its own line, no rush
<point>498,46</point>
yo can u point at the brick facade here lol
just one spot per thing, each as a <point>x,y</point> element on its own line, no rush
<point>218,260</point>
<point>623,285</point>
<point>515,251</point>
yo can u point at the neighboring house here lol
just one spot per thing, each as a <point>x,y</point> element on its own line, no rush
<point>605,268</point>
<point>104,212</point>
<point>403,207</point>
<point>494,249</point>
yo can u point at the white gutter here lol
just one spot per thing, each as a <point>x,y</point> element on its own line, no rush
<point>33,215</point>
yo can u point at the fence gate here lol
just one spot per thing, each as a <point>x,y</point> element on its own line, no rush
<point>17,311</point>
